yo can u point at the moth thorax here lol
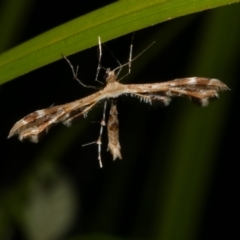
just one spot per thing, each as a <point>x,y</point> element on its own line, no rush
<point>110,76</point>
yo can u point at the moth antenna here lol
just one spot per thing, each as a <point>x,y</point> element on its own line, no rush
<point>115,58</point>
<point>130,60</point>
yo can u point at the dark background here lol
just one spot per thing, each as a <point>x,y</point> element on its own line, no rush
<point>176,179</point>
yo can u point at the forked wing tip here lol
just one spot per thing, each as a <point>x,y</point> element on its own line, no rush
<point>11,134</point>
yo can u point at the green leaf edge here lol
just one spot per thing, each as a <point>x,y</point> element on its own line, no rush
<point>81,33</point>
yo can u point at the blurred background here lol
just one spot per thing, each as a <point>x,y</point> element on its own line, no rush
<point>177,178</point>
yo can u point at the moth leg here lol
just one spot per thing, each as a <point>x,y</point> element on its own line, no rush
<point>99,60</point>
<point>75,73</point>
<point>129,63</point>
<point>130,60</point>
<point>99,141</point>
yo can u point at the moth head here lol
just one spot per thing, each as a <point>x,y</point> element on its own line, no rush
<point>110,76</point>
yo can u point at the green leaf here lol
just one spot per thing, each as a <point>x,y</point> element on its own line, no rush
<point>108,22</point>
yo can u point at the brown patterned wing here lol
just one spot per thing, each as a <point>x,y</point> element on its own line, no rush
<point>199,90</point>
<point>35,124</point>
